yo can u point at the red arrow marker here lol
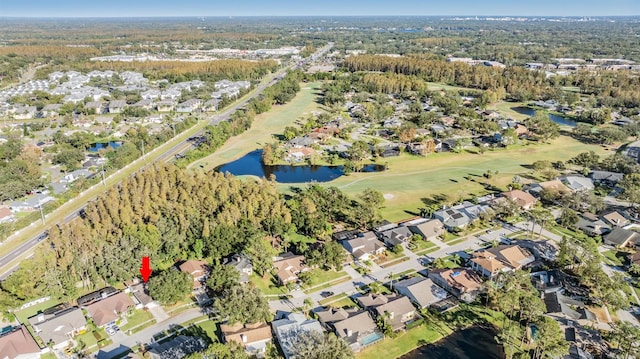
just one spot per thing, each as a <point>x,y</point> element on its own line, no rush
<point>145,270</point>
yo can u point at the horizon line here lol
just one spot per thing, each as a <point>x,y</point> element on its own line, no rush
<point>299,15</point>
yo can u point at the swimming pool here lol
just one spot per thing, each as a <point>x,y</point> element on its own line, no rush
<point>372,338</point>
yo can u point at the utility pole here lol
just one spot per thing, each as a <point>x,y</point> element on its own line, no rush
<point>143,148</point>
<point>41,209</point>
<point>102,164</point>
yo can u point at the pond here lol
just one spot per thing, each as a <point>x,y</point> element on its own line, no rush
<point>562,121</point>
<point>251,164</point>
<point>472,343</point>
<point>95,147</point>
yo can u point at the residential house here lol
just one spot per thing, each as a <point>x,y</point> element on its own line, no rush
<point>591,225</point>
<point>397,310</point>
<point>452,219</point>
<point>94,107</point>
<point>621,237</point>
<point>429,230</point>
<point>557,304</point>
<point>504,258</point>
<point>199,270</point>
<point>288,328</point>
<point>299,142</point>
<point>288,267</point>
<point>150,94</point>
<point>51,110</point>
<point>58,326</point>
<point>345,235</point>
<point>243,265</point>
<point>19,344</point>
<point>423,292</point>
<point>171,94</point>
<point>30,204</point>
<point>634,259</point>
<point>178,347</point>
<point>117,106</point>
<point>578,183</point>
<point>6,215</point>
<point>396,236</point>
<point>211,105</point>
<point>190,105</point>
<point>110,309</point>
<point>24,112</point>
<point>464,284</point>
<point>146,104</point>
<point>356,328</point>
<point>523,199</point>
<point>553,186</point>
<point>606,178</point>
<point>615,219</point>
<point>141,295</point>
<point>252,337</point>
<point>299,154</point>
<point>166,106</point>
<point>364,247</point>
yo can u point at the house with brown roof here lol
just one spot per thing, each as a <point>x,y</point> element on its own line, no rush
<point>503,258</point>
<point>364,247</point>
<point>289,266</point>
<point>464,284</point>
<point>5,215</point>
<point>429,230</point>
<point>356,328</point>
<point>555,186</point>
<point>397,310</point>
<point>252,337</point>
<point>110,309</point>
<point>634,259</point>
<point>19,344</point>
<point>615,219</point>
<point>523,199</point>
<point>199,270</point>
<point>58,325</point>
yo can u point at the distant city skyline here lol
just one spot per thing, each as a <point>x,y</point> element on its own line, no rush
<point>151,8</point>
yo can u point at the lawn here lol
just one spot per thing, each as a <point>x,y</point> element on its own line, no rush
<point>267,285</point>
<point>420,245</point>
<point>614,257</point>
<point>333,298</point>
<point>48,356</point>
<point>405,342</point>
<point>318,276</point>
<point>389,257</point>
<point>137,318</point>
<point>264,127</point>
<point>206,329</point>
<point>91,339</point>
<point>410,179</point>
<point>345,302</point>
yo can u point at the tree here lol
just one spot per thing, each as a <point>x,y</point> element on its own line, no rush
<point>222,277</point>
<point>541,125</point>
<point>261,253</point>
<point>586,159</point>
<point>568,218</point>
<point>626,336</point>
<point>243,304</point>
<point>69,157</point>
<point>170,286</point>
<point>550,341</point>
<point>318,345</point>
<point>329,255</point>
<point>230,350</point>
<point>631,185</point>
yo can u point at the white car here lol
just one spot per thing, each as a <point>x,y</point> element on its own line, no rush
<point>110,330</point>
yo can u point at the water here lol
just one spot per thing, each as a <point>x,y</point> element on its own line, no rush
<point>472,343</point>
<point>562,121</point>
<point>251,164</point>
<point>372,338</point>
<point>95,147</point>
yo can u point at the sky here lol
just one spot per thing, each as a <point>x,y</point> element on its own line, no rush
<point>133,8</point>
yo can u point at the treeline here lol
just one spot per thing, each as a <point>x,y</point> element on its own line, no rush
<point>177,71</point>
<point>170,214</point>
<point>521,84</point>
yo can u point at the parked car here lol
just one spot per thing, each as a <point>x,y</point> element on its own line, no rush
<point>326,294</point>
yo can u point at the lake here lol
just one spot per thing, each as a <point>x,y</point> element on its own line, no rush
<point>95,147</point>
<point>472,343</point>
<point>562,121</point>
<point>251,164</point>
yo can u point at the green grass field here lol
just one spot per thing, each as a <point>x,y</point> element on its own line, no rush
<point>264,127</point>
<point>136,319</point>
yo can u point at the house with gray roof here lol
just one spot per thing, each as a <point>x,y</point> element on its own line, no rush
<point>423,292</point>
<point>58,326</point>
<point>364,247</point>
<point>243,265</point>
<point>621,238</point>
<point>605,177</point>
<point>591,225</point>
<point>452,218</point>
<point>117,106</point>
<point>396,236</point>
<point>177,348</point>
<point>578,183</point>
<point>356,328</point>
<point>289,327</point>
<point>429,230</point>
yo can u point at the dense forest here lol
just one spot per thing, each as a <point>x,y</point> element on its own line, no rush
<point>193,215</point>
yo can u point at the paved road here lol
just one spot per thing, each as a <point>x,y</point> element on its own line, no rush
<point>168,155</point>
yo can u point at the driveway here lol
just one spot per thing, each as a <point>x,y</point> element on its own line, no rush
<point>125,343</point>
